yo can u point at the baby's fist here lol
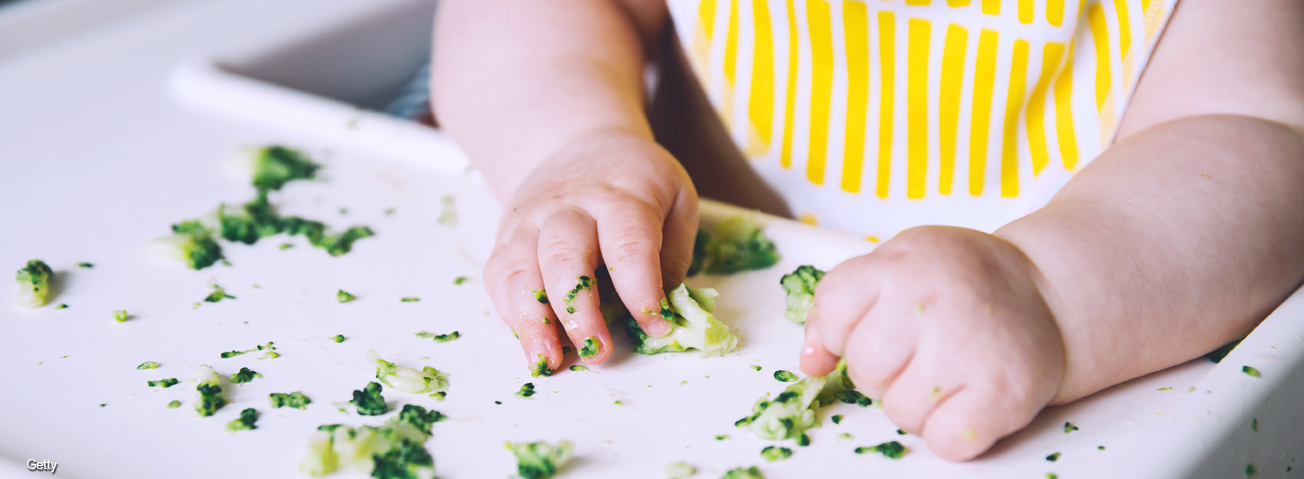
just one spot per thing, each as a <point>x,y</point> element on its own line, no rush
<point>948,327</point>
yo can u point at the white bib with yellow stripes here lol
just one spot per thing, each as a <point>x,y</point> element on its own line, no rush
<point>879,115</point>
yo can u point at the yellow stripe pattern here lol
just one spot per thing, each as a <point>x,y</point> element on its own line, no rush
<point>856,31</point>
<point>948,114</point>
<point>887,65</point>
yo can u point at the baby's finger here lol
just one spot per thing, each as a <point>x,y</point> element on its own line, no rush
<point>816,360</point>
<point>915,393</point>
<point>630,239</point>
<point>568,254</point>
<point>845,294</point>
<point>513,279</point>
<point>970,422</point>
<point>880,348</point>
<point>679,234</point>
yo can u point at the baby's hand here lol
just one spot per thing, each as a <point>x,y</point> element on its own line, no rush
<point>948,327</point>
<point>612,198</point>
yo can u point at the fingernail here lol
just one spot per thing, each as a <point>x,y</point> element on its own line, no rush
<point>658,328</point>
<point>808,350</point>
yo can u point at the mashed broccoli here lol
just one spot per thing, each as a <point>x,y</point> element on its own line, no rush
<point>695,326</point>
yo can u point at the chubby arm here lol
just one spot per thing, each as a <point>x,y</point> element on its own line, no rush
<point>1189,230</point>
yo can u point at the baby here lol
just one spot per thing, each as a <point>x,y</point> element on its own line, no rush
<point>1055,222</point>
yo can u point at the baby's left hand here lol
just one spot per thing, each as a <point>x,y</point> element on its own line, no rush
<point>949,328</point>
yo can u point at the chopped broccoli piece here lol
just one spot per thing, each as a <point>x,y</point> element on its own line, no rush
<point>785,376</point>
<point>34,283</point>
<point>407,460</point>
<point>771,453</point>
<point>393,450</point>
<point>190,244</point>
<point>837,419</point>
<point>148,365</point>
<point>164,383</point>
<point>218,294</point>
<point>800,286</point>
<point>540,368</point>
<point>410,299</point>
<point>578,367</point>
<point>344,296</point>
<point>419,418</point>
<point>679,470</point>
<point>404,379</point>
<point>120,315</point>
<point>1069,427</point>
<point>245,422</point>
<point>1251,371</point>
<point>891,450</point>
<point>526,391</point>
<point>61,306</point>
<point>440,338</point>
<point>208,386</point>
<point>271,167</point>
<point>1217,355</point>
<point>852,396</point>
<point>339,338</point>
<point>369,401</point>
<point>448,216</point>
<point>1054,456</point>
<point>85,265</point>
<point>295,400</point>
<point>244,375</point>
<point>740,473</point>
<point>174,404</point>
<point>900,432</point>
<point>590,347</point>
<point>249,222</point>
<point>694,326</point>
<point>758,368</point>
<point>341,243</point>
<point>262,347</point>
<point>722,437</point>
<point>270,355</point>
<point>803,440</point>
<point>792,412</point>
<point>1250,470</point>
<point>582,282</point>
<point>737,244</point>
<point>459,280</point>
<point>540,296</point>
<point>540,460</point>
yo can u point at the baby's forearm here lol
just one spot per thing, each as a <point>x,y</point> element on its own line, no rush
<point>514,80</point>
<point>1173,242</point>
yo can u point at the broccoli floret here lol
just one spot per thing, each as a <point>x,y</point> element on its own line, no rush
<point>440,338</point>
<point>792,412</point>
<point>740,473</point>
<point>34,283</point>
<point>190,244</point>
<point>246,420</point>
<point>174,404</point>
<point>339,338</point>
<point>244,375</point>
<point>695,326</point>
<point>295,400</point>
<point>271,167</point>
<point>404,379</point>
<point>148,365</point>
<point>218,294</point>
<point>540,368</point>
<point>209,389</point>
<point>164,383</point>
<point>891,450</point>
<point>582,282</point>
<point>737,244</point>
<point>771,453</point>
<point>402,462</point>
<point>368,401</point>
<point>540,460</point>
<point>590,348</point>
<point>800,286</point>
<point>393,450</point>
<point>526,391</point>
<point>344,296</point>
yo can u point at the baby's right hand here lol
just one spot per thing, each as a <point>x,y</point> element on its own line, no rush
<point>610,198</point>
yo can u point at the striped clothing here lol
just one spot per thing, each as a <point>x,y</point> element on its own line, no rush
<point>878,115</point>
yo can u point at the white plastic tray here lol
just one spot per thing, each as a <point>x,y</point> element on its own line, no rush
<point>93,170</point>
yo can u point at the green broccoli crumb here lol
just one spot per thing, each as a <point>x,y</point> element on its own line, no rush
<point>852,396</point>
<point>390,211</point>
<point>459,280</point>
<point>339,338</point>
<point>837,419</point>
<point>218,294</point>
<point>540,296</point>
<point>85,265</point>
<point>1254,424</point>
<point>344,296</point>
<point>1069,427</point>
<point>448,216</point>
<point>1051,475</point>
<point>441,338</point>
<point>1250,470</point>
<point>771,453</point>
<point>191,243</point>
<point>540,367</point>
<point>785,376</point>
<point>679,470</point>
<point>1251,371</point>
<point>1100,448</point>
<point>61,306</point>
<point>174,404</point>
<point>369,401</point>
<point>286,245</point>
<point>262,347</point>
<point>1053,457</point>
<point>244,375</point>
<point>245,422</point>
<point>582,282</point>
<point>276,165</point>
<point>578,367</point>
<point>526,391</point>
<point>803,440</point>
<point>740,473</point>
<point>164,383</point>
<point>900,432</point>
<point>34,283</point>
<point>210,392</point>
<point>410,299</point>
<point>1217,355</point>
<point>590,348</point>
<point>722,437</point>
<point>540,460</point>
<point>120,316</point>
<point>294,400</point>
<point>891,450</point>
<point>147,365</point>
